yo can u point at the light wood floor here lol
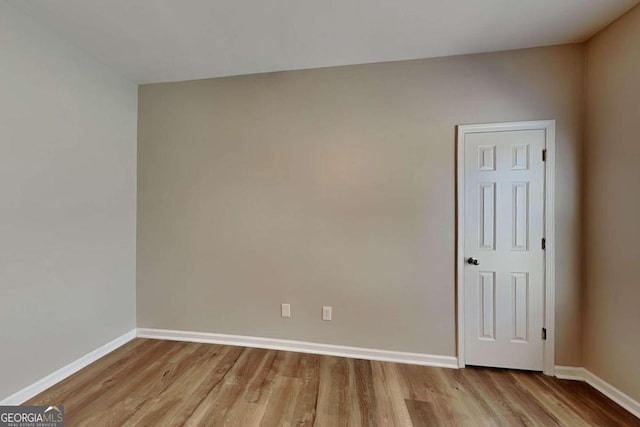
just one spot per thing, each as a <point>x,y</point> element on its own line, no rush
<point>163,383</point>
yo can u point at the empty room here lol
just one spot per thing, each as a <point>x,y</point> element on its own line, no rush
<point>327,213</point>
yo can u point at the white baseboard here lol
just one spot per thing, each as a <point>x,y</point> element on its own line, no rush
<point>570,373</point>
<point>41,385</point>
<point>582,374</point>
<point>613,393</point>
<point>303,347</point>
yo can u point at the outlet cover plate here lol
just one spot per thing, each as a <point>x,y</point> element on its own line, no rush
<point>285,310</point>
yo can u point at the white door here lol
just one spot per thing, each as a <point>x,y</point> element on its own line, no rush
<point>503,254</point>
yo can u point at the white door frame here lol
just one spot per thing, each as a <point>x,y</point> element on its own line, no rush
<point>549,126</point>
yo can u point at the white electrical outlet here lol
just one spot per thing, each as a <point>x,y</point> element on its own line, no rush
<point>286,310</point>
<point>326,313</point>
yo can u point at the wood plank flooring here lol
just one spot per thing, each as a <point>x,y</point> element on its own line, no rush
<point>165,383</point>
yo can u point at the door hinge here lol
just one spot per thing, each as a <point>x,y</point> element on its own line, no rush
<point>544,334</point>
<point>544,155</point>
<point>544,243</point>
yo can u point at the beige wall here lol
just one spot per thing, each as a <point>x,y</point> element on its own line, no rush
<point>67,215</point>
<point>337,187</point>
<point>612,205</point>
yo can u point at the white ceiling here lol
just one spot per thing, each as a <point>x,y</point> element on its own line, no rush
<point>169,40</point>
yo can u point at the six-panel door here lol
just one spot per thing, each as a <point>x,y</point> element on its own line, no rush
<point>504,226</point>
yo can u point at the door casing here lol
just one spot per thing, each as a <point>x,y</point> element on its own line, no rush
<point>549,126</point>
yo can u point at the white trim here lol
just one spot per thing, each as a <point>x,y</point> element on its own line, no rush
<point>550,250</point>
<point>41,385</point>
<point>573,373</point>
<point>582,374</point>
<point>302,347</point>
<point>613,393</point>
<point>549,126</point>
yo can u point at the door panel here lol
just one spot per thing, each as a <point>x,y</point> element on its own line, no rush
<point>520,217</point>
<point>487,216</point>
<point>504,225</point>
<point>520,304</point>
<point>487,287</point>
